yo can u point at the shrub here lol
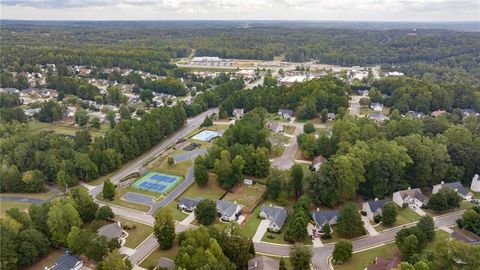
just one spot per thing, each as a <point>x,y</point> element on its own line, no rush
<point>377,218</point>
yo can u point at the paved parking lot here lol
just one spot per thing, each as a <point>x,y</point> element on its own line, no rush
<point>138,198</point>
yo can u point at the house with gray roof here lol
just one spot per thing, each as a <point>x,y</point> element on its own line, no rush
<point>112,231</point>
<point>166,263</point>
<point>277,216</point>
<point>378,117</point>
<point>66,262</point>
<point>188,204</point>
<point>228,211</point>
<point>263,263</point>
<point>457,186</point>
<point>373,207</point>
<point>275,127</point>
<point>322,217</point>
<point>413,197</point>
<point>285,114</point>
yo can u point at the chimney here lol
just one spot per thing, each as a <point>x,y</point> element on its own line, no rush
<point>409,188</point>
<point>442,183</point>
<point>270,205</point>
<point>318,209</point>
<point>376,199</point>
<point>456,190</point>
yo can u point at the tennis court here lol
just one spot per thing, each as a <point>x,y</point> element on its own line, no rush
<point>157,182</point>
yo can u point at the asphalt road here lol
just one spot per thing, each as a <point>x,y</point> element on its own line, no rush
<point>287,160</point>
<point>135,165</point>
<point>355,105</point>
<point>321,254</point>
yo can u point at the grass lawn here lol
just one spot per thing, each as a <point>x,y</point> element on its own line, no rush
<point>65,128</point>
<point>177,214</point>
<point>211,191</point>
<point>439,237</point>
<point>138,235</point>
<point>405,215</point>
<point>5,205</point>
<point>151,260</point>
<point>277,151</point>
<point>289,129</point>
<point>179,169</point>
<point>246,195</point>
<point>476,195</point>
<point>279,238</point>
<point>279,138</point>
<point>362,259</point>
<point>250,227</point>
<point>41,195</point>
<point>48,260</point>
<point>463,205</point>
<point>365,110</point>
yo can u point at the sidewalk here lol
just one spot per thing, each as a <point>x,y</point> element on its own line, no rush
<point>368,226</point>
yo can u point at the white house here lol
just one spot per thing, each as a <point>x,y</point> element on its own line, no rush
<point>228,211</point>
<point>413,197</point>
<point>457,186</point>
<point>238,113</point>
<point>322,217</point>
<point>475,186</point>
<point>373,208</point>
<point>277,216</point>
<point>378,107</point>
<point>317,162</point>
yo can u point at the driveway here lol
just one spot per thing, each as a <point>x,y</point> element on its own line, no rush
<point>366,223</point>
<point>261,230</point>
<point>287,160</point>
<point>189,155</point>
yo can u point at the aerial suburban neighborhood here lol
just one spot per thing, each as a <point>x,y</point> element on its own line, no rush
<point>233,144</point>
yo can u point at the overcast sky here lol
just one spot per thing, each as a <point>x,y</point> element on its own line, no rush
<point>366,10</point>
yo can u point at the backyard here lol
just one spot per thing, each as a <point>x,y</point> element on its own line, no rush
<point>246,195</point>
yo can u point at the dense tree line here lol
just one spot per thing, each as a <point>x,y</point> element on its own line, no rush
<point>27,237</point>
<point>306,99</point>
<point>9,110</point>
<point>377,160</point>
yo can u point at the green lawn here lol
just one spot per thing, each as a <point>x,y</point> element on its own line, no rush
<point>405,215</point>
<point>279,238</point>
<point>151,260</point>
<point>41,195</point>
<point>177,214</point>
<point>279,138</point>
<point>246,195</point>
<point>362,259</point>
<point>65,128</point>
<point>179,169</point>
<point>5,205</point>
<point>48,260</point>
<point>118,201</point>
<point>289,129</point>
<point>476,195</point>
<point>463,205</point>
<point>211,191</point>
<point>138,235</point>
<point>250,227</point>
<point>439,237</point>
<point>365,111</point>
<point>277,151</point>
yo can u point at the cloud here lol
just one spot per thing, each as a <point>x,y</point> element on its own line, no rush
<point>60,4</point>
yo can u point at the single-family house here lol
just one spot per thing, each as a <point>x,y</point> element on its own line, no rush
<point>275,127</point>
<point>363,92</point>
<point>317,162</point>
<point>277,216</point>
<point>373,207</point>
<point>377,107</point>
<point>330,116</point>
<point>228,211</point>
<point>413,197</point>
<point>438,113</point>
<point>457,186</point>
<point>322,217</point>
<point>112,231</point>
<point>187,204</point>
<point>475,186</point>
<point>467,237</point>
<point>469,112</point>
<point>263,263</point>
<point>415,114</point>
<point>32,112</point>
<point>67,262</point>
<point>378,117</point>
<point>384,264</point>
<point>285,114</point>
<point>238,113</point>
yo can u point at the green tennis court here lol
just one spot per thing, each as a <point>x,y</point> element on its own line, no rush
<point>157,182</point>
